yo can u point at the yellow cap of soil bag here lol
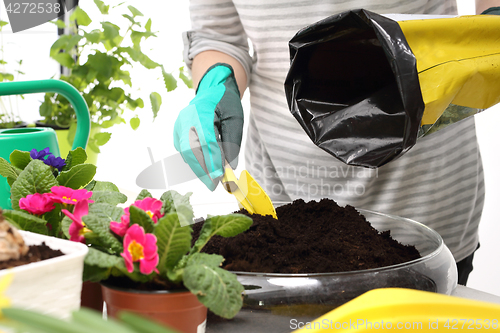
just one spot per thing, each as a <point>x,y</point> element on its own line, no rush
<point>458,61</point>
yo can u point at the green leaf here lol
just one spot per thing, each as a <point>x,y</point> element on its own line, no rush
<point>140,217</point>
<point>111,33</point>
<point>211,260</point>
<point>93,36</point>
<point>80,16</point>
<point>65,224</point>
<point>185,78</point>
<point>38,322</point>
<point>130,18</point>
<point>6,77</point>
<point>223,225</point>
<point>148,25</point>
<point>78,176</point>
<point>137,36</point>
<point>35,178</point>
<point>97,324</point>
<point>143,325</point>
<point>143,194</point>
<point>59,23</point>
<point>174,202</point>
<point>102,63</point>
<point>94,273</point>
<point>102,138</point>
<point>3,23</point>
<point>105,186</point>
<point>20,159</point>
<point>170,81</point>
<point>173,241</point>
<point>104,9</point>
<point>155,103</point>
<point>100,226</point>
<point>112,198</point>
<point>26,221</point>
<point>54,218</point>
<point>7,170</point>
<point>218,289</point>
<point>75,157</point>
<point>64,59</point>
<point>59,44</point>
<point>106,212</point>
<point>73,41</point>
<point>135,122</point>
<point>134,11</point>
<point>100,259</point>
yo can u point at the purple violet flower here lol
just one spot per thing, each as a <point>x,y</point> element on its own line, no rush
<point>39,155</point>
<point>55,162</point>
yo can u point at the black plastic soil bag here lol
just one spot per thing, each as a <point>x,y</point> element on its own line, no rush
<point>353,86</point>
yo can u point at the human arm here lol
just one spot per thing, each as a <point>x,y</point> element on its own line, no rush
<point>204,60</point>
<point>208,132</point>
<point>482,5</point>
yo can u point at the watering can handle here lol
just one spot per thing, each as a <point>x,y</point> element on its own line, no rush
<point>60,87</point>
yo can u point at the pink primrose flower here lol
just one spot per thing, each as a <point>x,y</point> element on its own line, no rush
<point>151,206</point>
<point>67,195</point>
<point>77,229</point>
<point>37,203</point>
<point>120,228</point>
<point>141,247</point>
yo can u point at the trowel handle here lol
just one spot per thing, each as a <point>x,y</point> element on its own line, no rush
<point>60,87</point>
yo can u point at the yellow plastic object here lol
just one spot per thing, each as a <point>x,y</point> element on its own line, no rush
<point>248,192</point>
<point>406,309</point>
<point>458,61</point>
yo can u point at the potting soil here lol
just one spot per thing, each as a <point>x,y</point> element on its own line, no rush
<point>35,253</point>
<point>309,237</point>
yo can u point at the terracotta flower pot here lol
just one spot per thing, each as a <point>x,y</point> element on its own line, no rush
<point>180,310</point>
<point>92,296</point>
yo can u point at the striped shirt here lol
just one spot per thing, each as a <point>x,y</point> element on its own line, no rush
<point>439,182</point>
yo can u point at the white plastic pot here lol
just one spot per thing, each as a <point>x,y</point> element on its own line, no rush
<point>51,286</point>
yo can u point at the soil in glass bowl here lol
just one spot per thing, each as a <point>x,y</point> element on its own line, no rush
<point>309,237</point>
<point>310,242</point>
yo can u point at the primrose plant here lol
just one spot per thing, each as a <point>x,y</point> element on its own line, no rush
<point>147,242</point>
<point>43,188</point>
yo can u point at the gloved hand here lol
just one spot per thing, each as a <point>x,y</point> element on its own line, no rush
<point>209,130</point>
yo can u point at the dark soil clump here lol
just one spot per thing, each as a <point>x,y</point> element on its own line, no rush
<point>309,237</point>
<point>36,253</point>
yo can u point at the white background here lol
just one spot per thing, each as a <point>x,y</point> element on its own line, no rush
<point>127,154</point>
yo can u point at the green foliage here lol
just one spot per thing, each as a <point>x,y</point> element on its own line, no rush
<point>82,321</point>
<point>9,113</point>
<point>178,261</point>
<point>27,176</point>
<point>99,61</point>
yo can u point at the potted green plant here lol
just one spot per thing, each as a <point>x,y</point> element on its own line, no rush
<point>141,247</point>
<point>147,261</point>
<point>9,116</point>
<point>98,63</point>
<point>38,182</point>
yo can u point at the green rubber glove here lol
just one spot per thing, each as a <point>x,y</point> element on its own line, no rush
<point>209,130</point>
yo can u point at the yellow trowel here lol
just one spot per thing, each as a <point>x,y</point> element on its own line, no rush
<point>248,192</point>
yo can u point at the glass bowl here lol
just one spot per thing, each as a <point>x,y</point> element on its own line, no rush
<point>274,302</point>
<point>316,294</point>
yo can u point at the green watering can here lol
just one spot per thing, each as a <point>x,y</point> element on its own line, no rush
<point>40,138</point>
